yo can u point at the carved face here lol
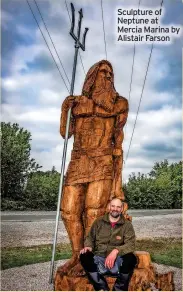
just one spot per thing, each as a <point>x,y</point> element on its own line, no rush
<point>104,94</point>
<point>104,76</point>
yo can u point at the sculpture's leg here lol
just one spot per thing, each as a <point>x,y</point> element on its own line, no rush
<point>72,206</point>
<point>97,197</point>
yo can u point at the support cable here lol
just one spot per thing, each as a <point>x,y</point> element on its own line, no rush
<point>141,95</point>
<point>51,40</point>
<point>134,51</point>
<point>47,45</point>
<point>103,29</point>
<point>131,79</point>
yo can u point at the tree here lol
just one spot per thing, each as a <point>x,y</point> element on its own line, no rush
<point>42,190</point>
<point>161,189</point>
<point>168,179</point>
<point>16,163</point>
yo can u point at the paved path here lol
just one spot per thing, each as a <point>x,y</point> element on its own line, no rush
<point>41,232</point>
<point>35,277</point>
<point>27,216</point>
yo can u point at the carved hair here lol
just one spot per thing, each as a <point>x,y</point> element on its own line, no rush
<point>91,77</point>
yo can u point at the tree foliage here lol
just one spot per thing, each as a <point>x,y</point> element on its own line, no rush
<point>42,190</point>
<point>25,187</point>
<point>16,163</point>
<point>161,189</point>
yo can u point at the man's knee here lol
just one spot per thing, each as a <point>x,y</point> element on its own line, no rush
<point>129,263</point>
<point>86,257</point>
<point>87,261</point>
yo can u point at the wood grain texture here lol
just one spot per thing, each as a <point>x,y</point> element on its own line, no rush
<point>144,278</point>
<point>94,174</point>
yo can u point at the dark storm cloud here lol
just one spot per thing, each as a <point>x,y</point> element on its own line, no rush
<point>163,149</point>
<point>40,63</point>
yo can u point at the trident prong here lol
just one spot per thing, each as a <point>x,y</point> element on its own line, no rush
<point>84,38</point>
<point>73,22</point>
<point>77,38</point>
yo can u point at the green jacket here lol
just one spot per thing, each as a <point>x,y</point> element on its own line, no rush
<point>103,238</point>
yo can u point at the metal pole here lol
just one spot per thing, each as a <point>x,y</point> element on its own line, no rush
<point>62,169</point>
<point>77,46</point>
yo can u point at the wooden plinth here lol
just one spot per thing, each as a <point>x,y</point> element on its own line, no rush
<point>144,278</point>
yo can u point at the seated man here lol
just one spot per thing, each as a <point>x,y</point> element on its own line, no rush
<point>109,248</point>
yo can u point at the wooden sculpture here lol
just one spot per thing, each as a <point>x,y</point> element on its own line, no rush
<point>94,173</point>
<point>144,278</point>
<point>94,176</point>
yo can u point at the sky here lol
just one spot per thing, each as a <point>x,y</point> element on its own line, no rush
<point>33,90</point>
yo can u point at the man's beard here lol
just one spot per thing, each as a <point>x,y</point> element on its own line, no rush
<point>114,214</point>
<point>104,95</point>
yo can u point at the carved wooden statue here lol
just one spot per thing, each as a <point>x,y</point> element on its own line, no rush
<point>94,172</point>
<point>94,176</point>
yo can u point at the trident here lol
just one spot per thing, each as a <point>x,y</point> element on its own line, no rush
<point>77,46</point>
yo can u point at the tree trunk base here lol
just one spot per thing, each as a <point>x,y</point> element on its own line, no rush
<point>144,278</point>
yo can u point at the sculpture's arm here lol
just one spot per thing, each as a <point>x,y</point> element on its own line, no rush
<point>118,152</point>
<point>67,104</point>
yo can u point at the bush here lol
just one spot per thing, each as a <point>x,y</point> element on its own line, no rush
<point>160,189</point>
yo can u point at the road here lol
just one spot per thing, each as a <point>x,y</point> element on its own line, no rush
<point>35,228</point>
<point>27,216</point>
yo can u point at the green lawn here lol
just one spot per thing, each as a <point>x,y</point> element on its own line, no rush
<point>19,256</point>
<point>163,251</point>
<point>167,251</point>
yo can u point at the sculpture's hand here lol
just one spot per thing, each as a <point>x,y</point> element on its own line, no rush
<point>85,249</point>
<point>69,102</point>
<point>110,259</point>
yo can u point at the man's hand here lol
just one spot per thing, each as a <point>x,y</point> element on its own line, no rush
<point>110,259</point>
<point>85,249</point>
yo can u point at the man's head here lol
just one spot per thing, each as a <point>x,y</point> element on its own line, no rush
<point>99,85</point>
<point>115,208</point>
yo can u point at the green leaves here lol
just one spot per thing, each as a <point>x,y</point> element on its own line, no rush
<point>15,161</point>
<point>42,190</point>
<point>24,186</point>
<point>160,189</point>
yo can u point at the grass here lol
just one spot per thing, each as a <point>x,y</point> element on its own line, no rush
<point>166,251</point>
<point>20,256</point>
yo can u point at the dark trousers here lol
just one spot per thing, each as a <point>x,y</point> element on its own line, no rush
<point>99,282</point>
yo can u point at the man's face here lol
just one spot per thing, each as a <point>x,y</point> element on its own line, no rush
<point>104,74</point>
<point>115,208</point>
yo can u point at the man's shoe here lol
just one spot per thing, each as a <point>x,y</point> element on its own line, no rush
<point>99,282</point>
<point>122,282</point>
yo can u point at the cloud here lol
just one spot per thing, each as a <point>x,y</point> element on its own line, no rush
<point>33,90</point>
<point>5,19</point>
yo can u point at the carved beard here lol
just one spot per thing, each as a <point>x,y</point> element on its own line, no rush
<point>104,95</point>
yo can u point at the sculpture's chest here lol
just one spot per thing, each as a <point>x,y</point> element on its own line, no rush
<point>86,107</point>
<point>93,132</point>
